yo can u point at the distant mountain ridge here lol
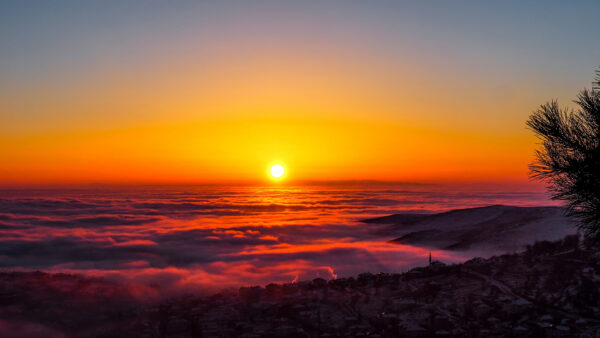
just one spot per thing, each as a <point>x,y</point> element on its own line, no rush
<point>498,228</point>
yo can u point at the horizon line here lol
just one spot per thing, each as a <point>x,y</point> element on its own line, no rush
<point>266,183</point>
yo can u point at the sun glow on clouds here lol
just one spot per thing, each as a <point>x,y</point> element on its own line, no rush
<point>218,236</point>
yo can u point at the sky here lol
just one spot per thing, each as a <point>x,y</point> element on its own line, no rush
<point>174,92</point>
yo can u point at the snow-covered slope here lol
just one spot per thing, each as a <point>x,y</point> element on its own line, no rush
<point>498,228</point>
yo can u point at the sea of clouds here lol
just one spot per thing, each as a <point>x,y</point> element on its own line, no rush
<point>207,237</point>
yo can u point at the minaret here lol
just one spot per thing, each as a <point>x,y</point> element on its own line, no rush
<point>429,257</point>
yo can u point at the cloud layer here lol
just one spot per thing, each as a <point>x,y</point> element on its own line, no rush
<point>198,237</point>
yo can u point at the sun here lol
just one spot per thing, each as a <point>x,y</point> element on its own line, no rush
<point>277,171</point>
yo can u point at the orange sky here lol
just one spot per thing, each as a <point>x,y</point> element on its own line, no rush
<point>242,149</point>
<point>221,94</point>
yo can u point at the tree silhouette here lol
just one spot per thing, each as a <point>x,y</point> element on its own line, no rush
<point>569,158</point>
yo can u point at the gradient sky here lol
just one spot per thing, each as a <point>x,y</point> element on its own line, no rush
<point>149,91</point>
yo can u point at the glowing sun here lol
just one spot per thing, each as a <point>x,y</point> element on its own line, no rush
<point>277,170</point>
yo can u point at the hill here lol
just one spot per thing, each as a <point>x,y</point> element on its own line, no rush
<point>550,289</point>
<point>495,229</point>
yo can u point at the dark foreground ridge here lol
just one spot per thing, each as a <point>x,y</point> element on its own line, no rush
<point>551,289</point>
<point>496,228</point>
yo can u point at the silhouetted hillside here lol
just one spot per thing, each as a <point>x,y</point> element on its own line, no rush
<point>551,289</point>
<point>496,228</point>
